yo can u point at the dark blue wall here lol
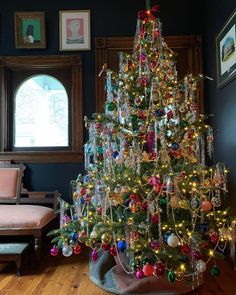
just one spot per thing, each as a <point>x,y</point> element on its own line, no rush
<point>220,102</point>
<point>108,18</point>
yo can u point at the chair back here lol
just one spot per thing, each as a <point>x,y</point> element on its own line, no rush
<point>10,182</point>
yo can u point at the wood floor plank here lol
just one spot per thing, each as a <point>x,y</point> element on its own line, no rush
<point>61,276</point>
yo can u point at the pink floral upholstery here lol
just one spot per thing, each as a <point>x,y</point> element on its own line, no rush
<point>25,216</point>
<point>9,182</point>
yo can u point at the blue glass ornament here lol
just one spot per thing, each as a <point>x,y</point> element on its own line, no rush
<point>203,227</point>
<point>75,217</point>
<point>86,178</point>
<point>115,154</point>
<point>74,236</point>
<point>160,112</point>
<point>175,146</point>
<point>166,236</point>
<point>121,245</point>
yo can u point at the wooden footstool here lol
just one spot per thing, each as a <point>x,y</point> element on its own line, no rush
<point>13,252</point>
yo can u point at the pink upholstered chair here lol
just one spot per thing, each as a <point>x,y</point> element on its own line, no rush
<point>17,218</point>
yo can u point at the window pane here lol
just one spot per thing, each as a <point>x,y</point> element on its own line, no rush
<point>41,113</point>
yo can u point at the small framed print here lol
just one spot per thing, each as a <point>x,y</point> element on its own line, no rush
<point>30,30</point>
<point>226,51</point>
<point>74,30</point>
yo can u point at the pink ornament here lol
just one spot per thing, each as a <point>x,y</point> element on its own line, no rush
<point>139,274</point>
<point>94,255</point>
<point>54,251</point>
<point>197,255</point>
<point>148,270</point>
<point>153,180</point>
<point>206,206</point>
<point>155,245</point>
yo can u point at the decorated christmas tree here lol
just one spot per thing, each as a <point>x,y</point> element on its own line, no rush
<point>148,194</point>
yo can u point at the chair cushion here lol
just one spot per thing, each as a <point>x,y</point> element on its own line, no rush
<point>8,182</point>
<point>25,216</point>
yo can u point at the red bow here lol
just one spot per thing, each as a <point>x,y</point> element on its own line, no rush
<point>142,14</point>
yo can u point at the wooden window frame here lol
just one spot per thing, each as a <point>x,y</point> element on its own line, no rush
<point>192,44</point>
<point>72,63</point>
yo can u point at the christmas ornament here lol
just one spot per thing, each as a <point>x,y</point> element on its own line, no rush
<point>113,251</point>
<point>67,250</point>
<point>94,255</point>
<point>200,266</point>
<point>185,249</point>
<point>106,238</point>
<point>171,276</point>
<point>173,241</point>
<point>206,205</point>
<point>215,271</point>
<point>148,270</point>
<point>197,255</point>
<point>121,245</point>
<point>77,249</point>
<point>139,274</point>
<point>54,251</point>
<point>159,269</point>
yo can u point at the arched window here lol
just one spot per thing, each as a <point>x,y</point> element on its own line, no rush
<point>41,113</point>
<point>41,110</point>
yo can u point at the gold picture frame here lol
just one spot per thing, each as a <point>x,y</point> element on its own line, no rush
<point>30,30</point>
<point>74,30</point>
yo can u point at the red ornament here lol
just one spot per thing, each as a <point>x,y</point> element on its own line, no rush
<point>155,219</point>
<point>148,270</point>
<point>159,269</point>
<point>214,239</point>
<point>77,249</point>
<point>106,246</point>
<point>83,191</point>
<point>99,209</point>
<point>206,206</point>
<point>113,251</point>
<point>185,249</point>
<point>197,255</point>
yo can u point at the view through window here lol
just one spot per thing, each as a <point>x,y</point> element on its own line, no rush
<point>41,113</point>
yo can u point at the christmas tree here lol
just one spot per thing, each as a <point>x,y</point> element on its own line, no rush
<point>148,193</point>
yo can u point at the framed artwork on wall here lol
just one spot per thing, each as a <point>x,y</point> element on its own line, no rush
<point>226,51</point>
<point>30,30</point>
<point>74,30</point>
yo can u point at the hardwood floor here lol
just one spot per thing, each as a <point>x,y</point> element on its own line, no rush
<point>61,276</point>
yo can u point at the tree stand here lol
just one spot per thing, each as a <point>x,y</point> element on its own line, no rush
<point>108,274</point>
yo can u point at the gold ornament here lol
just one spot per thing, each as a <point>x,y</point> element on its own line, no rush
<point>106,238</point>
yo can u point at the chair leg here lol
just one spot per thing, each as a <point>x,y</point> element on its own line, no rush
<point>37,248</point>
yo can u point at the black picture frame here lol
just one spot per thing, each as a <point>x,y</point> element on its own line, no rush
<point>226,51</point>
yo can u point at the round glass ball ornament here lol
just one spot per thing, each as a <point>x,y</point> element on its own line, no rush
<point>206,205</point>
<point>200,266</point>
<point>54,251</point>
<point>173,241</point>
<point>67,250</point>
<point>148,270</point>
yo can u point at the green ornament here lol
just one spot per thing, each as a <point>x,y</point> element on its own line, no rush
<point>162,201</point>
<point>183,124</point>
<point>215,271</point>
<point>111,106</point>
<point>134,119</point>
<point>99,150</point>
<point>171,276</point>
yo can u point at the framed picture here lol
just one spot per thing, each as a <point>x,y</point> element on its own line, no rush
<point>226,51</point>
<point>30,30</point>
<point>74,29</point>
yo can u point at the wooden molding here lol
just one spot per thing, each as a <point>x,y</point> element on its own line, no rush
<point>187,47</point>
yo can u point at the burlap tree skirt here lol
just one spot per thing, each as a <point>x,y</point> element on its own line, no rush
<point>108,274</point>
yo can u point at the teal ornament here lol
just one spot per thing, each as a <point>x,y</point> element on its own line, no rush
<point>111,106</point>
<point>183,124</point>
<point>195,203</point>
<point>171,276</point>
<point>162,201</point>
<point>215,271</point>
<point>99,150</point>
